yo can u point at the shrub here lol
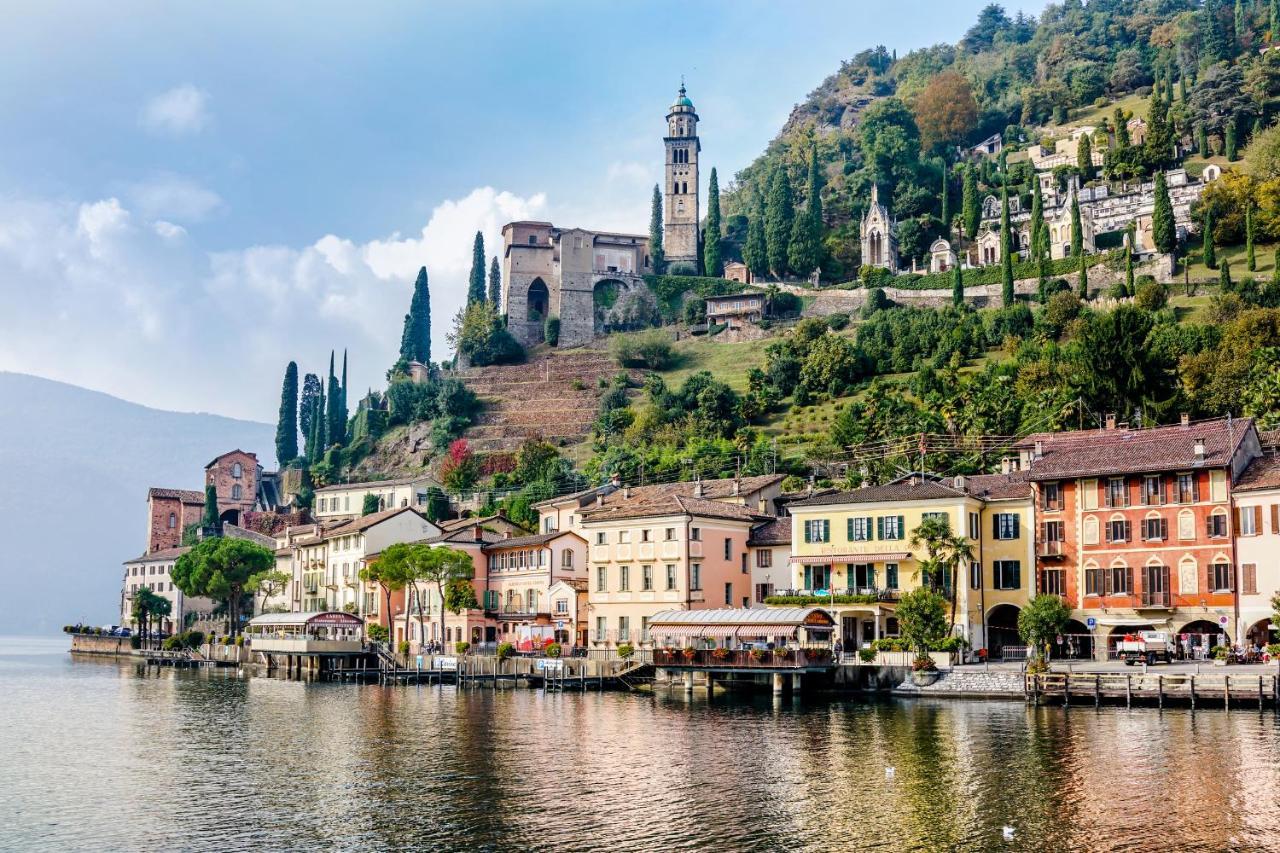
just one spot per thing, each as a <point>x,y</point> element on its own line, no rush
<point>377,633</point>
<point>505,650</point>
<point>135,642</point>
<point>1220,652</point>
<point>462,647</point>
<point>1151,295</point>
<point>171,643</point>
<point>193,639</point>
<point>650,348</point>
<point>838,321</point>
<point>867,655</point>
<point>626,650</point>
<point>1273,649</point>
<point>551,330</point>
<point>553,650</point>
<point>694,311</point>
<point>403,648</point>
<point>240,641</point>
<point>923,663</point>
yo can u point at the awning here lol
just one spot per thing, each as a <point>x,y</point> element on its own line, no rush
<point>676,631</point>
<point>883,557</point>
<point>719,631</point>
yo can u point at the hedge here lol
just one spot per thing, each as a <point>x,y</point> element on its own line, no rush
<point>982,276</point>
<point>811,600</point>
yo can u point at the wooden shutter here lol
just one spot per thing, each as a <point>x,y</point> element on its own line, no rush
<point>1250,579</point>
<point>1275,518</point>
<point>808,532</point>
<point>879,526</point>
<point>1257,518</point>
<point>902,529</point>
<point>849,529</point>
<point>995,525</point>
<point>1016,526</point>
<point>826,530</point>
<point>1164,528</point>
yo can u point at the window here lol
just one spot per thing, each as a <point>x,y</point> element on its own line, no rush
<point>1007,574</point>
<point>764,558</point>
<point>600,623</point>
<point>1054,582</point>
<point>173,520</point>
<point>889,527</point>
<point>745,570</point>
<point>863,575</point>
<point>1249,520</point>
<point>566,559</point>
<point>1218,485</point>
<point>1051,496</point>
<point>670,534</point>
<point>602,578</point>
<point>859,529</point>
<point>548,525</point>
<point>624,629</point>
<point>1221,575</point>
<point>645,535</point>
<point>1250,578</point>
<point>1186,525</point>
<point>602,538</point>
<point>890,575</point>
<point>562,606</point>
<point>728,594</point>
<point>1095,581</point>
<point>1053,531</point>
<point>1089,494</point>
<point>1005,525</point>
<point>817,577</point>
<point>728,548</point>
<point>925,516</point>
<point>1117,492</point>
<point>1155,529</point>
<point>646,578</point>
<point>624,537</point>
<point>624,579</point>
<point>533,241</point>
<point>236,470</point>
<point>975,575</point>
<point>644,629</point>
<point>1152,494</point>
<point>1118,530</point>
<point>1188,489</point>
<point>695,534</point>
<point>671,576</point>
<point>1217,525</point>
<point>695,576</point>
<point>817,530</point>
<point>763,591</point>
<point>975,526</point>
<point>1121,580</point>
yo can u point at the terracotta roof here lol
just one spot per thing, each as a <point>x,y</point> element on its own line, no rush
<point>526,541</point>
<point>998,487</point>
<point>230,453</point>
<point>1091,453</point>
<point>166,554</point>
<point>578,496</point>
<point>661,502</point>
<point>465,536</point>
<point>1262,473</point>
<point>401,481</point>
<point>776,531</point>
<point>919,488</point>
<point>459,523</point>
<point>356,525</point>
<point>187,496</point>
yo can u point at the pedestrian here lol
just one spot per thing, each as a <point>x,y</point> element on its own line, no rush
<point>839,649</point>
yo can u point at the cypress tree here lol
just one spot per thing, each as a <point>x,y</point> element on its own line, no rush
<point>1006,253</point>
<point>343,411</point>
<point>1224,276</point>
<point>1202,141</point>
<point>971,211</point>
<point>711,246</point>
<point>287,423</point>
<point>1084,157</point>
<point>475,286</point>
<point>815,191</point>
<point>335,425</point>
<point>495,284</point>
<point>1122,129</point>
<point>1129,289</point>
<point>307,404</point>
<point>957,285</point>
<point>1230,145</point>
<point>1238,19</point>
<point>802,251</point>
<point>1182,88</point>
<point>1275,21</point>
<point>754,252</point>
<point>1163,229</point>
<point>320,422</point>
<point>779,214</point>
<point>210,517</point>
<point>1077,231</point>
<point>415,342</point>
<point>1251,262</point>
<point>1037,216</point>
<point>946,203</point>
<point>1084,277</point>
<point>1208,255</point>
<point>656,256</point>
<point>1275,266</point>
<point>1213,46</point>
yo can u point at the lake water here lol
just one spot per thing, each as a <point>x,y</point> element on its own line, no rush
<point>100,754</point>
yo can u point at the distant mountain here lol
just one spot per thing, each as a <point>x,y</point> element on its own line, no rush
<point>75,466</point>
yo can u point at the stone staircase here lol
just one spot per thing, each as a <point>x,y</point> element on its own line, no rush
<point>553,396</point>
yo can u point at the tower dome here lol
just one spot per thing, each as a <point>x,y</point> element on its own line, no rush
<point>682,100</point>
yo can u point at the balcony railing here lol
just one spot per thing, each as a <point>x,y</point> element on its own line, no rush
<point>789,658</point>
<point>857,595</point>
<point>1050,548</point>
<point>1156,598</point>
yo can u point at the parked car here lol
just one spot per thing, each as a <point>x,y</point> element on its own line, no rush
<point>1146,647</point>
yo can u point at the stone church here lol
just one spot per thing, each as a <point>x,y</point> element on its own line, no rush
<point>879,233</point>
<point>577,274</point>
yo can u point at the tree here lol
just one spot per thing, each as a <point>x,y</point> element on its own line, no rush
<point>1202,140</point>
<point>1230,146</point>
<point>415,342</point>
<point>437,504</point>
<point>1208,255</point>
<point>287,422</point>
<point>336,420</point>
<point>922,619</point>
<point>754,252</point>
<point>1083,288</point>
<point>495,284</point>
<point>1077,230</point>
<point>656,256</point>
<point>971,207</point>
<point>946,553</point>
<point>482,338</point>
<point>1128,271</point>
<point>802,251</point>
<point>1006,253</point>
<point>219,569</point>
<point>945,112</point>
<point>390,571</point>
<point>269,583</point>
<point>1084,157</point>
<point>210,517</point>
<point>957,285</point>
<point>1163,229</point>
<point>1113,368</point>
<point>475,281</point>
<point>307,403</point>
<point>778,221</point>
<point>343,411</point>
<point>1043,619</point>
<point>370,505</point>
<point>1261,396</point>
<point>1037,216</point>
<point>1224,277</point>
<point>1251,261</point>
<point>711,246</point>
<point>1213,39</point>
<point>460,468</point>
<point>408,564</point>
<point>147,608</point>
<point>945,201</point>
<point>992,21</point>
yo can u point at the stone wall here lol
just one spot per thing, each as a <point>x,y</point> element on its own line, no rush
<point>969,681</point>
<point>86,644</point>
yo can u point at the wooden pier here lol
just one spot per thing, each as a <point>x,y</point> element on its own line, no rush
<point>1232,691</point>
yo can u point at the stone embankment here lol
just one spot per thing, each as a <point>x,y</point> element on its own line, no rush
<point>965,681</point>
<point>554,396</point>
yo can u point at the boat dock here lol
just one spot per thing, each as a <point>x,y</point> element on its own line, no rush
<point>1218,690</point>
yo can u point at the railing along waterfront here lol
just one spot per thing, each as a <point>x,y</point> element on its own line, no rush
<point>790,658</point>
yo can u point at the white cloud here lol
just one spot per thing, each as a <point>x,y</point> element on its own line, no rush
<point>174,197</point>
<point>180,111</point>
<point>157,319</point>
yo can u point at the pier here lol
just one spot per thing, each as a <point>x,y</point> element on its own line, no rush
<point>1231,691</point>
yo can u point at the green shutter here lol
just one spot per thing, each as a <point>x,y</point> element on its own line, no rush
<point>826,530</point>
<point>995,525</point>
<point>879,527</point>
<point>1016,528</point>
<point>808,532</point>
<point>902,527</point>
<point>849,529</point>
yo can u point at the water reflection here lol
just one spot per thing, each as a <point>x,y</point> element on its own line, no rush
<point>107,755</point>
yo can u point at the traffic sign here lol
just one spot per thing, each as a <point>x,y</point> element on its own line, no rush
<point>1091,623</point>
<point>1222,620</point>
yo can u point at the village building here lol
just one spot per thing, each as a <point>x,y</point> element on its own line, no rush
<point>154,571</point>
<point>737,271</point>
<point>856,547</point>
<point>1257,525</point>
<point>339,501</point>
<point>942,258</point>
<point>989,147</point>
<point>523,573</point>
<point>169,513</point>
<point>736,310</point>
<point>878,232</point>
<point>680,225</point>
<point>769,555</point>
<point>1135,529</point>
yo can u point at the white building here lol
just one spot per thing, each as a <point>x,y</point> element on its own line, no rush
<point>1257,509</point>
<point>346,500</point>
<point>155,572</point>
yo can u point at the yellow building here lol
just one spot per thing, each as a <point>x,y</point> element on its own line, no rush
<point>856,547</point>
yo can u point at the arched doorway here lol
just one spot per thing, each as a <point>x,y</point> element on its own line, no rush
<point>1002,629</point>
<point>537,300</point>
<point>1196,639</point>
<point>1119,632</point>
<point>231,516</point>
<point>1261,633</point>
<point>1077,642</point>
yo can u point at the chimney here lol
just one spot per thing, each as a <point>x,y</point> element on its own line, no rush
<point>697,489</point>
<point>1111,421</point>
<point>1039,449</point>
<point>599,499</point>
<point>959,482</point>
<point>506,534</point>
<point>1006,465</point>
<point>737,486</point>
<point>1199,449</point>
<point>1186,420</point>
<point>477,533</point>
<point>626,492</point>
<point>615,480</point>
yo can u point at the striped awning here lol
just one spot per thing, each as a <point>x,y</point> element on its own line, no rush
<point>825,559</point>
<point>677,632</point>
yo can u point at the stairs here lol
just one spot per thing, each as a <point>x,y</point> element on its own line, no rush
<point>553,396</point>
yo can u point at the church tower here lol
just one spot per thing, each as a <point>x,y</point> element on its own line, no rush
<point>680,216</point>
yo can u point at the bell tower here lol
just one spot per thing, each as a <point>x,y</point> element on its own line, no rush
<point>680,214</point>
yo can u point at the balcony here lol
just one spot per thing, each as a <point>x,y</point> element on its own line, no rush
<point>517,613</point>
<point>1156,600</point>
<point>822,597</point>
<point>1050,549</point>
<point>760,659</point>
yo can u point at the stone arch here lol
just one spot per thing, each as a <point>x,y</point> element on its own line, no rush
<point>875,242</point>
<point>1261,633</point>
<point>537,300</point>
<point>231,516</point>
<point>1002,628</point>
<point>604,295</point>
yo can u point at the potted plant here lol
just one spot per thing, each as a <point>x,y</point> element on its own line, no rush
<point>461,647</point>
<point>553,650</point>
<point>782,653</point>
<point>1220,654</point>
<point>757,655</point>
<point>688,652</point>
<point>504,651</point>
<point>923,670</point>
<point>867,655</point>
<point>626,650</point>
<point>720,653</point>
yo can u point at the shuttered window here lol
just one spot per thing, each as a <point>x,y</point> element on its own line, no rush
<point>1250,572</point>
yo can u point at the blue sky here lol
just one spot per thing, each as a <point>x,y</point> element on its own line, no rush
<point>196,193</point>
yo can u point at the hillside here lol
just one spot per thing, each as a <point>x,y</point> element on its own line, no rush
<point>74,471</point>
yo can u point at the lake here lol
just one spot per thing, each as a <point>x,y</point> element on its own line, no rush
<point>103,754</point>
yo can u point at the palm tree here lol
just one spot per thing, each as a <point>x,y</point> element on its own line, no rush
<point>946,553</point>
